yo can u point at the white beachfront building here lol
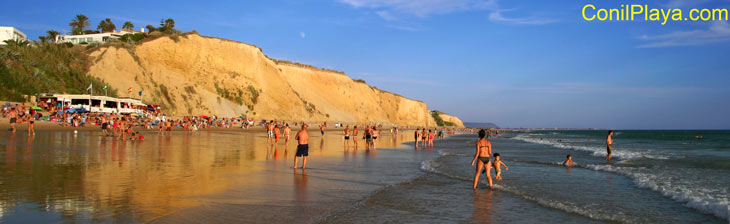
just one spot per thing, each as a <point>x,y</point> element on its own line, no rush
<point>94,103</point>
<point>10,33</point>
<point>94,37</point>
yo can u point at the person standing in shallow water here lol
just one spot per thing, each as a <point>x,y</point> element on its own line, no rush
<point>303,146</point>
<point>483,151</point>
<point>347,136</point>
<point>609,145</point>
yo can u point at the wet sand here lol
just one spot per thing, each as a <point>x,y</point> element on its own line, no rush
<point>217,175</point>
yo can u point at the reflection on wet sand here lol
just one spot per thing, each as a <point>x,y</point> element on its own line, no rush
<point>87,177</point>
<point>482,207</point>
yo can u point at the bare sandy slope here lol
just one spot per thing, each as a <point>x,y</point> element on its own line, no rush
<point>196,75</point>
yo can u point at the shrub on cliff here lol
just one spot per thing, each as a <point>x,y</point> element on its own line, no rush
<point>440,121</point>
<point>437,118</point>
<point>132,37</point>
<point>30,69</point>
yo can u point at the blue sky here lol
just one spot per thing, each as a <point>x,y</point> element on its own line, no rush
<point>529,63</point>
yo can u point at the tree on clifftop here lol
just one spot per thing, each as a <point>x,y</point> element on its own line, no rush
<point>79,23</point>
<point>52,34</point>
<point>166,25</point>
<point>128,25</point>
<point>150,28</point>
<point>106,25</point>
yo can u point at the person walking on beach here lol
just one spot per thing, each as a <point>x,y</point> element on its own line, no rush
<point>483,151</point>
<point>321,129</point>
<point>354,136</point>
<point>277,132</point>
<point>423,138</point>
<point>376,134</point>
<point>415,135</point>
<point>31,123</point>
<point>430,138</point>
<point>347,137</point>
<point>609,145</point>
<point>302,147</point>
<point>287,133</point>
<point>13,118</point>
<point>497,163</point>
<point>269,131</point>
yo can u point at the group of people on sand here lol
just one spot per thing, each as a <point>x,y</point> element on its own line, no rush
<point>275,129</point>
<point>18,115</point>
<point>425,139</point>
<point>371,136</point>
<point>120,126</point>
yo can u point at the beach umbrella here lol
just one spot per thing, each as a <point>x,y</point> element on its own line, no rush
<point>37,108</point>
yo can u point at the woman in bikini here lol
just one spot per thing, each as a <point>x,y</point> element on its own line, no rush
<point>484,149</point>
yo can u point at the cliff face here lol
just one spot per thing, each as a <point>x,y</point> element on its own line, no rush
<point>195,75</point>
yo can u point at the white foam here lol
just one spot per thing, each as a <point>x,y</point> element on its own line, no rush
<point>596,150</point>
<point>571,207</point>
<point>432,167</point>
<point>711,201</point>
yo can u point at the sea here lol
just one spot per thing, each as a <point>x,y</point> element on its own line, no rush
<point>678,176</point>
<point>233,177</point>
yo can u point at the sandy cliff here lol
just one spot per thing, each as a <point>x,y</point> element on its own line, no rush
<point>195,75</point>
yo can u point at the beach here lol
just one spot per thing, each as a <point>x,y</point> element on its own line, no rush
<point>224,175</point>
<point>231,176</point>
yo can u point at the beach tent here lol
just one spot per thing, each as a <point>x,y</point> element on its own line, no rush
<point>77,110</point>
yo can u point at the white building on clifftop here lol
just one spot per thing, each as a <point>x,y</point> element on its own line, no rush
<point>94,37</point>
<point>10,33</point>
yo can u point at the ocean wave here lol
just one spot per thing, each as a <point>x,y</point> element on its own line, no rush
<point>693,196</point>
<point>596,150</point>
<point>583,210</point>
<point>432,167</point>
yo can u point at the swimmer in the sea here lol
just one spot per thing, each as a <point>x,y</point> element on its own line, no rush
<point>569,161</point>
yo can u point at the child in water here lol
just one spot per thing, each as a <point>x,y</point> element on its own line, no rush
<point>569,161</point>
<point>497,163</point>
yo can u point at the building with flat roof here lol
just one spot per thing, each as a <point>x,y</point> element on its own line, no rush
<point>94,37</point>
<point>95,103</point>
<point>10,33</point>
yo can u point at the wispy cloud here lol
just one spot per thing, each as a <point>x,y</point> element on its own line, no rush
<point>302,35</point>
<point>717,32</point>
<point>406,27</point>
<point>586,88</point>
<point>496,16</point>
<point>399,11</point>
<point>422,8</point>
<point>386,15</point>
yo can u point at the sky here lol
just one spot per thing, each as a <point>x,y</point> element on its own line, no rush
<point>530,63</point>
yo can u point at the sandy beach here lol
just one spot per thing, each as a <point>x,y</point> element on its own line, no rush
<point>220,174</point>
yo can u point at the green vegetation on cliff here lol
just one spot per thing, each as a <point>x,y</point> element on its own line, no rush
<point>33,68</point>
<point>439,121</point>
